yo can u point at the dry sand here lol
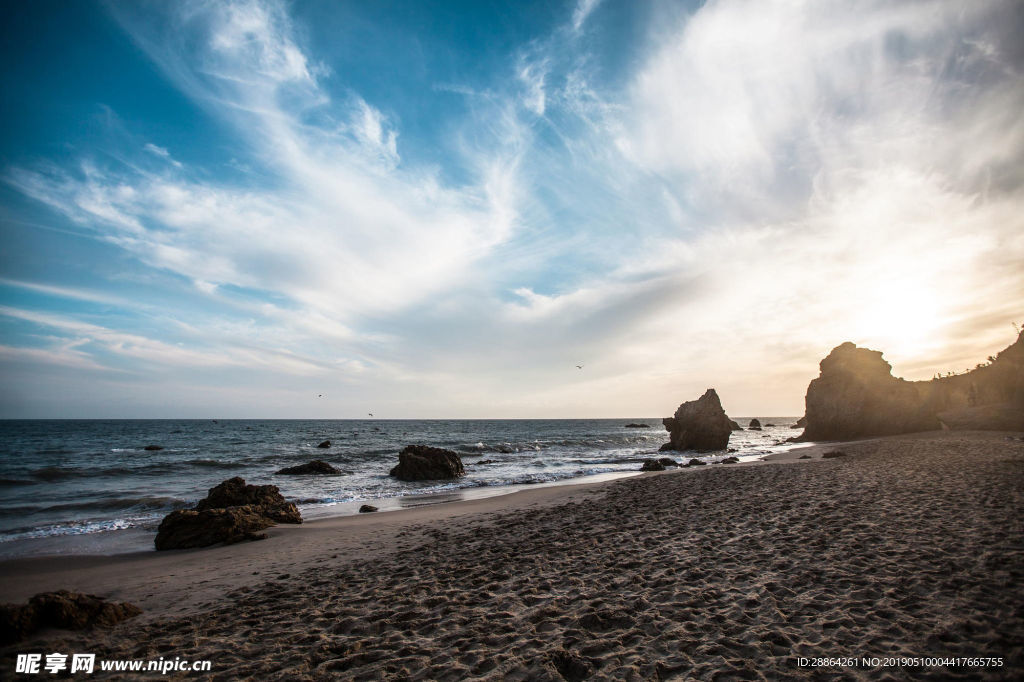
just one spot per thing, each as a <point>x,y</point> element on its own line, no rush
<point>905,547</point>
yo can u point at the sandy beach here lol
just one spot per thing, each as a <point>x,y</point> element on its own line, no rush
<point>908,546</point>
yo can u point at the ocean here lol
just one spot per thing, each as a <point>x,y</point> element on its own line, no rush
<point>65,480</point>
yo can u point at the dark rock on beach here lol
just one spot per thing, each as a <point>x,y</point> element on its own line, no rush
<point>232,511</point>
<point>652,465</point>
<point>833,454</point>
<point>367,509</point>
<point>424,463</point>
<point>699,425</point>
<point>188,528</point>
<point>235,492</point>
<point>696,463</point>
<point>754,425</point>
<point>638,426</point>
<point>153,448</point>
<point>730,460</point>
<point>61,609</point>
<point>667,462</point>
<point>316,467</point>
<point>325,444</point>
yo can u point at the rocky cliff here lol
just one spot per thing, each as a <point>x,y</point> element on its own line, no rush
<point>857,396</point>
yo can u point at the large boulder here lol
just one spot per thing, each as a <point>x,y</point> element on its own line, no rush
<point>424,463</point>
<point>234,492</point>
<point>699,425</point>
<point>755,424</point>
<point>856,396</point>
<point>187,528</point>
<point>61,609</point>
<point>232,511</point>
<point>316,467</point>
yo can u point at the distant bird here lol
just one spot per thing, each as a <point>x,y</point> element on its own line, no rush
<point>370,413</point>
<point>579,366</point>
<point>320,396</point>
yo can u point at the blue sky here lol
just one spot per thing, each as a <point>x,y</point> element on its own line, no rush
<point>439,209</point>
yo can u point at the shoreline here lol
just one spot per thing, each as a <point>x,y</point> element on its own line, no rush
<point>135,562</point>
<point>906,546</point>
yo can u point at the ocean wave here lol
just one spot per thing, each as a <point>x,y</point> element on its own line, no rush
<point>13,482</point>
<point>76,528</point>
<point>153,503</point>
<point>215,464</point>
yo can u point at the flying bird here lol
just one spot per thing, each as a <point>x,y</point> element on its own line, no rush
<point>370,413</point>
<point>579,366</point>
<point>320,396</point>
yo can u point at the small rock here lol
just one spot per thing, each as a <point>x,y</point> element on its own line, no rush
<point>325,444</point>
<point>696,463</point>
<point>367,509</point>
<point>731,460</point>
<point>652,465</point>
<point>805,457</point>
<point>667,462</point>
<point>153,447</point>
<point>638,426</point>
<point>833,454</point>
<point>316,467</point>
<point>767,425</point>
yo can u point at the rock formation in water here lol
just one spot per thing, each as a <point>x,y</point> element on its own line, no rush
<point>700,425</point>
<point>424,463</point>
<point>232,511</point>
<point>755,424</point>
<point>316,467</point>
<point>734,426</point>
<point>856,396</point>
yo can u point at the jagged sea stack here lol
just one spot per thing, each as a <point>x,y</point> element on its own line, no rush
<point>700,425</point>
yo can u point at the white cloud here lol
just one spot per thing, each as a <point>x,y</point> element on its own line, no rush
<point>346,231</point>
<point>582,11</point>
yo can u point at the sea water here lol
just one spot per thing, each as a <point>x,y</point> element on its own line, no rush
<point>65,478</point>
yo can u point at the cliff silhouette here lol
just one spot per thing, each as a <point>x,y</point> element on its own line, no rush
<point>856,396</point>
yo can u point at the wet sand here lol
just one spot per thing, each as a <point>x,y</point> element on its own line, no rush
<point>904,547</point>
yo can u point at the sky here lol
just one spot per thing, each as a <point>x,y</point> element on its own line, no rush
<point>313,209</point>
